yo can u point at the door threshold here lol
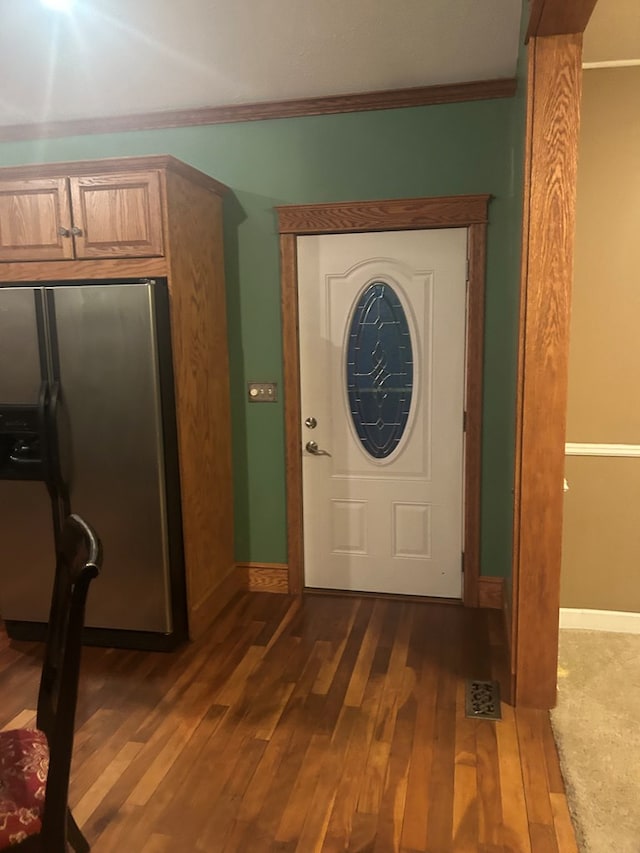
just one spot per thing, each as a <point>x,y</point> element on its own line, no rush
<point>351,593</point>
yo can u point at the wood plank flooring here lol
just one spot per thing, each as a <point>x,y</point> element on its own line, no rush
<point>322,724</point>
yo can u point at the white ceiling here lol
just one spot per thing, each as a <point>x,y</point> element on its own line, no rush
<point>119,57</point>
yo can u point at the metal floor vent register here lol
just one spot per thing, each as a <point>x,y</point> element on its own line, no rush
<point>483,700</point>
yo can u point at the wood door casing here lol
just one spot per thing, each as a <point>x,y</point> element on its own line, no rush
<point>35,220</point>
<point>470,211</point>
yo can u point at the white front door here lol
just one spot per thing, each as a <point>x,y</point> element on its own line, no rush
<point>382,366</point>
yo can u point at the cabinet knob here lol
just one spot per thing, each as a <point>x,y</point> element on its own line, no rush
<point>77,232</point>
<point>63,232</point>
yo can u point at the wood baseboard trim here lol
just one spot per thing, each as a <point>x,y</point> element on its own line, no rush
<point>491,592</point>
<point>264,577</point>
<point>415,96</point>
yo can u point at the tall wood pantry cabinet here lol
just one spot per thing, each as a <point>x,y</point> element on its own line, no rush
<point>148,217</point>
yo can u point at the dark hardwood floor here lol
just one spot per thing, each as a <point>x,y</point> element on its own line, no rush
<point>326,724</point>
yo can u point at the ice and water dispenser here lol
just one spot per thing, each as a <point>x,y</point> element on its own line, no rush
<point>28,432</point>
<point>22,449</point>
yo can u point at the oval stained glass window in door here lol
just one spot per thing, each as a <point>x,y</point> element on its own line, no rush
<point>379,369</point>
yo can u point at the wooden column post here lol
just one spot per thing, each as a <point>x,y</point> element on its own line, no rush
<point>547,270</point>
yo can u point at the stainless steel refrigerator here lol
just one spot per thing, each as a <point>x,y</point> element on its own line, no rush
<point>87,424</point>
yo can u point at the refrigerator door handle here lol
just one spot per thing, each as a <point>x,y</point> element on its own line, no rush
<point>43,402</point>
<point>56,486</point>
<point>54,475</point>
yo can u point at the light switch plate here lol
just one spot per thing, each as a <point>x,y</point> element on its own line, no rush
<point>262,392</point>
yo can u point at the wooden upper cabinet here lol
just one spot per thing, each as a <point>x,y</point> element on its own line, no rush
<point>117,215</point>
<point>34,220</point>
<point>110,215</point>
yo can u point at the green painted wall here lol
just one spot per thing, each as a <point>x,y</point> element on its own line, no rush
<point>427,151</point>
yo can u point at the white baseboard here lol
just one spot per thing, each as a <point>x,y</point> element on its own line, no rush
<point>587,449</point>
<point>618,621</point>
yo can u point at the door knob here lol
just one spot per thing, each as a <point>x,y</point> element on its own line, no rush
<point>312,448</point>
<point>312,423</point>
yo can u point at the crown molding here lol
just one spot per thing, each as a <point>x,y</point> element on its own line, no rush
<point>475,90</point>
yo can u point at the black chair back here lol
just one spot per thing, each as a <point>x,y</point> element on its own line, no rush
<point>79,561</point>
<point>35,764</point>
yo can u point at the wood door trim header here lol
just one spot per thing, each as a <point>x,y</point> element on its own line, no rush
<point>387,215</point>
<point>469,212</point>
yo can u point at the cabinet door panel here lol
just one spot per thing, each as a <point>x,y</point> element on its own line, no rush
<point>35,220</point>
<point>117,215</point>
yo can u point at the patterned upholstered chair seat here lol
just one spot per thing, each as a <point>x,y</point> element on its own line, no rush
<point>24,764</point>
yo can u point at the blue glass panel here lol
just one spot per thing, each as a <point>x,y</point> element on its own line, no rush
<point>379,369</point>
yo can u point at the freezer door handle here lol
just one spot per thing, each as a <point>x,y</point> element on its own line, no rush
<point>52,455</point>
<point>56,486</point>
<point>45,437</point>
<point>48,433</point>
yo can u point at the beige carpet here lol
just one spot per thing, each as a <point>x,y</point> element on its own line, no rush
<point>597,729</point>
